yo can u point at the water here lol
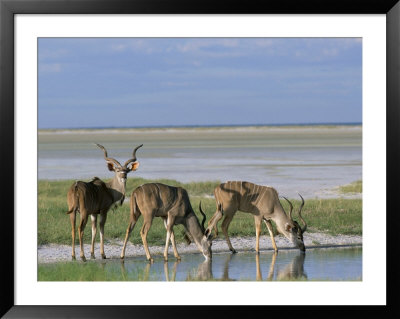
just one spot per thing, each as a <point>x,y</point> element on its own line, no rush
<point>312,161</point>
<point>329,264</point>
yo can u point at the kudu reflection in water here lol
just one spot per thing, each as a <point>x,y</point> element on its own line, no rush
<point>204,271</point>
<point>293,270</point>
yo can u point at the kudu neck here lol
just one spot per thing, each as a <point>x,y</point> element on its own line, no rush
<point>194,228</point>
<point>117,188</point>
<point>281,219</point>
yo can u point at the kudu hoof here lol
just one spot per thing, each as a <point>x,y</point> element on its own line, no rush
<point>83,258</point>
<point>73,258</point>
<point>150,260</point>
<point>103,256</point>
<point>233,251</point>
<point>92,256</point>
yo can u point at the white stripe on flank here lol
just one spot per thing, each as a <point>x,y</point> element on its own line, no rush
<point>248,196</point>
<point>144,194</point>
<point>247,191</point>
<point>252,193</point>
<point>260,196</point>
<point>256,193</point>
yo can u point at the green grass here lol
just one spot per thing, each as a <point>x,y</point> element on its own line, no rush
<point>89,271</point>
<point>355,187</point>
<point>334,216</point>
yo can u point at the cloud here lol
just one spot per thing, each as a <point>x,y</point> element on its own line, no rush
<point>134,45</point>
<point>46,54</point>
<point>50,67</point>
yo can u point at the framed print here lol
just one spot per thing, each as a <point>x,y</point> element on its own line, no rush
<point>207,89</point>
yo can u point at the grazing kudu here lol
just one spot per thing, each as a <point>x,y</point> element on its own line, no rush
<point>260,201</point>
<point>173,206</point>
<point>96,197</point>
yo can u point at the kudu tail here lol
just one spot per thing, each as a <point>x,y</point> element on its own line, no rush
<point>75,206</point>
<point>134,207</point>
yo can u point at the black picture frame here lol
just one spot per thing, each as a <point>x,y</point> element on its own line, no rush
<point>8,9</point>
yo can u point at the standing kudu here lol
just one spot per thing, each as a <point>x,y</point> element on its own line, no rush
<point>173,206</point>
<point>96,197</point>
<point>263,203</point>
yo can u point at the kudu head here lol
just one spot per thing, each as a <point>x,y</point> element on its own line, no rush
<point>206,241</point>
<point>121,171</point>
<point>293,229</point>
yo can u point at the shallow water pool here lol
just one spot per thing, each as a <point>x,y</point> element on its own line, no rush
<point>316,264</point>
<point>319,264</point>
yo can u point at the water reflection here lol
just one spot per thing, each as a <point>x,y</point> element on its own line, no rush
<point>321,265</point>
<point>166,272</point>
<point>292,270</point>
<point>204,271</point>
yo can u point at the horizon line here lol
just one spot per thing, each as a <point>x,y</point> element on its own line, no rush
<point>201,125</point>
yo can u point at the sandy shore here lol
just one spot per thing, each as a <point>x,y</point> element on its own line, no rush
<point>55,253</point>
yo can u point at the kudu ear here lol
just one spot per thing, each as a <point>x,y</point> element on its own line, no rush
<point>134,166</point>
<point>110,166</point>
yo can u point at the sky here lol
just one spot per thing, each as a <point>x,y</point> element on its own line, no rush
<point>142,82</point>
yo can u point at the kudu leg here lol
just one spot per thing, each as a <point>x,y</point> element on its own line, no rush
<point>271,234</point>
<point>225,275</point>
<point>132,223</point>
<point>143,233</point>
<point>94,233</point>
<point>257,222</point>
<point>103,218</point>
<point>166,271</point>
<point>170,225</point>
<point>225,225</point>
<point>72,218</point>
<point>176,254</point>
<point>272,267</point>
<point>258,268</point>
<point>174,270</point>
<point>212,224</point>
<point>146,272</point>
<point>81,229</point>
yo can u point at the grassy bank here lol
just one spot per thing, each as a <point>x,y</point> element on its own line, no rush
<point>352,188</point>
<point>335,216</point>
